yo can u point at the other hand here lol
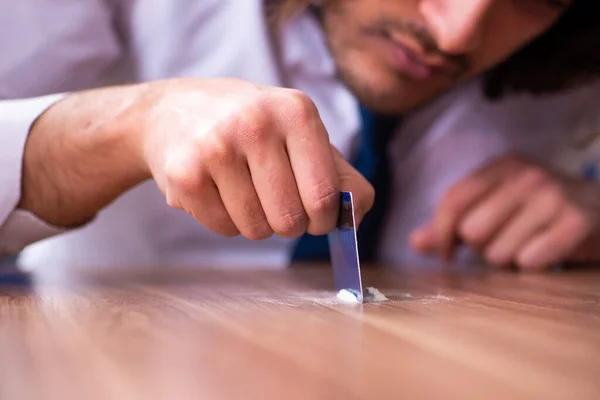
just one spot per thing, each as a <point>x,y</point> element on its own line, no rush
<point>515,212</point>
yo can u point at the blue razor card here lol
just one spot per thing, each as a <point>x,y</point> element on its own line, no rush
<point>343,248</point>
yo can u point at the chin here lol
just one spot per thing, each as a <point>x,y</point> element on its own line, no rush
<point>384,90</point>
<point>384,95</point>
<point>393,94</point>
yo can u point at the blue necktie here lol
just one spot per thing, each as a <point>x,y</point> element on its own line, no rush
<point>371,161</point>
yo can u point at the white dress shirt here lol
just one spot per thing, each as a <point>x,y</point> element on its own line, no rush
<point>70,45</point>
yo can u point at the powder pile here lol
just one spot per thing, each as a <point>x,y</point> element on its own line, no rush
<point>347,296</point>
<point>371,295</point>
<point>374,295</point>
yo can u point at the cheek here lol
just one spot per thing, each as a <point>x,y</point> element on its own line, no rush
<point>347,40</point>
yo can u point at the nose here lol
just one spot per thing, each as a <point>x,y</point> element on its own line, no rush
<point>457,25</point>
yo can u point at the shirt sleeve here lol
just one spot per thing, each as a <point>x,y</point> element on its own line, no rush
<point>18,228</point>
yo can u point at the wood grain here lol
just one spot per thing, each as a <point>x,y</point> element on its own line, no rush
<point>185,334</point>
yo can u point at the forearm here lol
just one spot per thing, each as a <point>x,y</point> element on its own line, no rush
<point>80,155</point>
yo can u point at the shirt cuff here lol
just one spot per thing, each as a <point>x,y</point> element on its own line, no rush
<point>22,228</point>
<point>18,227</point>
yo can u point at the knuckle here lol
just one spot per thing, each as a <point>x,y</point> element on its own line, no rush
<point>215,149</point>
<point>216,220</point>
<point>253,122</point>
<point>535,175</point>
<point>299,101</point>
<point>577,221</point>
<point>497,257</point>
<point>291,223</point>
<point>181,175</point>
<point>472,231</point>
<point>322,199</point>
<point>258,230</point>
<point>173,200</point>
<point>454,198</point>
<point>529,262</point>
<point>226,229</point>
<point>538,260</point>
<point>552,198</point>
<point>450,196</point>
<point>256,226</point>
<point>299,108</point>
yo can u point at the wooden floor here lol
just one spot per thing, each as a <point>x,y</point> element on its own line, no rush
<point>181,334</point>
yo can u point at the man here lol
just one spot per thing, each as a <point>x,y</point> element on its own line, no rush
<point>239,157</point>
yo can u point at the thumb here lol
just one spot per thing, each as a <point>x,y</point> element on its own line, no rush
<point>353,181</point>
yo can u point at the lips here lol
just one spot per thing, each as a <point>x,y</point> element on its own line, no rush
<point>406,62</point>
<point>418,56</point>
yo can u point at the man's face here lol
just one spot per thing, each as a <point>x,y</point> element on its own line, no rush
<point>398,54</point>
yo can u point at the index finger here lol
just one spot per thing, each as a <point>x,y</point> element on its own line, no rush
<point>312,162</point>
<point>457,201</point>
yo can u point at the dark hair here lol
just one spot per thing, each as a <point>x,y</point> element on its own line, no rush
<point>566,56</point>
